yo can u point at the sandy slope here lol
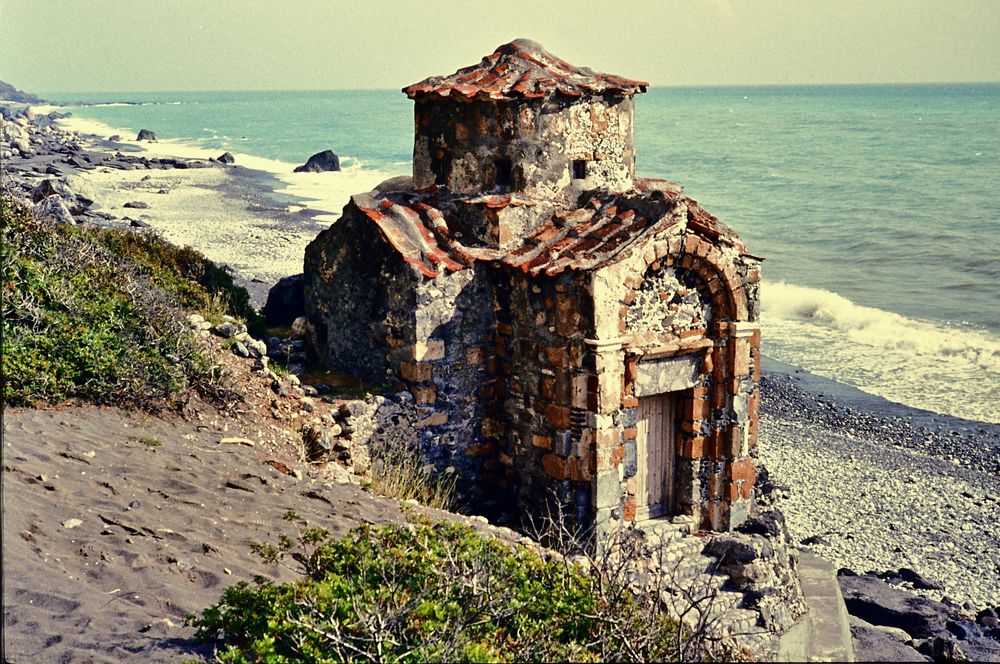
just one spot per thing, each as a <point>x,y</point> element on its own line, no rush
<point>163,529</point>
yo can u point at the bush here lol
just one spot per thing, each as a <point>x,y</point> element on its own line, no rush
<point>430,593</point>
<point>98,315</point>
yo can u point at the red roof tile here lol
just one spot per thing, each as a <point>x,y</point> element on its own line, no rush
<point>418,227</point>
<point>523,69</point>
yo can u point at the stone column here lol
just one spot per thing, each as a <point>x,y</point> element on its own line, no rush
<point>737,497</point>
<point>604,395</point>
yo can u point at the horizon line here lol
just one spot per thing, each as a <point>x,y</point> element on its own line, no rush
<point>394,89</point>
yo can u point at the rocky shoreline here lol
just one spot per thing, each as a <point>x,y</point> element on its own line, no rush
<point>236,221</point>
<point>903,501</point>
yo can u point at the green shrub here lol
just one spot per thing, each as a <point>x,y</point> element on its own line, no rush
<point>429,593</point>
<point>99,315</point>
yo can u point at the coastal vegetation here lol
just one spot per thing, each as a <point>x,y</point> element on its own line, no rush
<point>97,315</point>
<point>425,592</point>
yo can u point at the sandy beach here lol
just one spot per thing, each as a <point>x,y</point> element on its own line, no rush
<point>110,540</point>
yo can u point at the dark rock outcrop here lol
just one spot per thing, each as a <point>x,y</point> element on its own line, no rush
<point>146,135</point>
<point>871,599</point>
<point>226,158</point>
<point>9,93</point>
<point>285,301</point>
<point>319,162</point>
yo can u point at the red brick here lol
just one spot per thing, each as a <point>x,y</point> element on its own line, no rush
<point>719,398</point>
<point>693,448</point>
<point>548,388</point>
<point>742,470</point>
<point>628,509</point>
<point>740,349</point>
<point>697,409</point>
<point>713,449</point>
<point>631,433</point>
<point>555,466</point>
<point>732,491</point>
<point>617,456</point>
<point>480,449</point>
<point>416,372</point>
<point>691,244</point>
<point>630,402</point>
<point>545,442</point>
<point>557,356</point>
<point>557,416</point>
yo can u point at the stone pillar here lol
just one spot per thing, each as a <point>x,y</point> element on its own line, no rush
<point>604,395</point>
<point>737,495</point>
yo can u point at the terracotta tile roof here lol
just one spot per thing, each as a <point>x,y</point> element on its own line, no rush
<point>417,224</point>
<point>523,69</point>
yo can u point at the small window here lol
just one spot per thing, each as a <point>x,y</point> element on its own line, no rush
<point>441,166</point>
<point>504,173</point>
<point>579,169</point>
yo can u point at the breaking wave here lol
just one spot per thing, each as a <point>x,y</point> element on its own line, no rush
<point>923,364</point>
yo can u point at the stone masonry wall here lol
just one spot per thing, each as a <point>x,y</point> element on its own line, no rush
<point>362,319</point>
<point>542,385</point>
<point>540,139</point>
<point>446,372</point>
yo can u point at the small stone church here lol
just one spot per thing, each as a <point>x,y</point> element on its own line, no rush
<point>568,331</point>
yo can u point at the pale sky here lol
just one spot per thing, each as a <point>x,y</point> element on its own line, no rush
<point>153,45</point>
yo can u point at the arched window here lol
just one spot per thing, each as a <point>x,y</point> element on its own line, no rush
<point>441,166</point>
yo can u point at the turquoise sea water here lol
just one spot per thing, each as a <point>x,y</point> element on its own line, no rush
<point>877,207</point>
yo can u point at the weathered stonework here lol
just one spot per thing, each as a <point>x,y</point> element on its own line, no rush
<point>566,331</point>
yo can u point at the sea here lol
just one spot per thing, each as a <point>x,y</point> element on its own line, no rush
<point>876,207</point>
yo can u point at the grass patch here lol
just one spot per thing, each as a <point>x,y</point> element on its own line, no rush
<point>429,593</point>
<point>150,441</point>
<point>399,473</point>
<point>98,315</point>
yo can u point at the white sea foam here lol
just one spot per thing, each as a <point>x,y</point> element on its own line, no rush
<point>919,363</point>
<point>326,193</point>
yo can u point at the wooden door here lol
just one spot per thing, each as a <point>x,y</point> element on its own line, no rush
<point>655,456</point>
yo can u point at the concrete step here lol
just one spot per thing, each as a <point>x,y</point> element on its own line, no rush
<point>823,633</point>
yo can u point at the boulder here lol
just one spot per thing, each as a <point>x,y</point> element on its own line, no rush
<point>871,599</point>
<point>285,301</point>
<point>319,162</point>
<point>115,137</point>
<point>146,135</point>
<point>226,158</point>
<point>77,202</point>
<point>138,205</point>
<point>53,207</point>
<point>874,645</point>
